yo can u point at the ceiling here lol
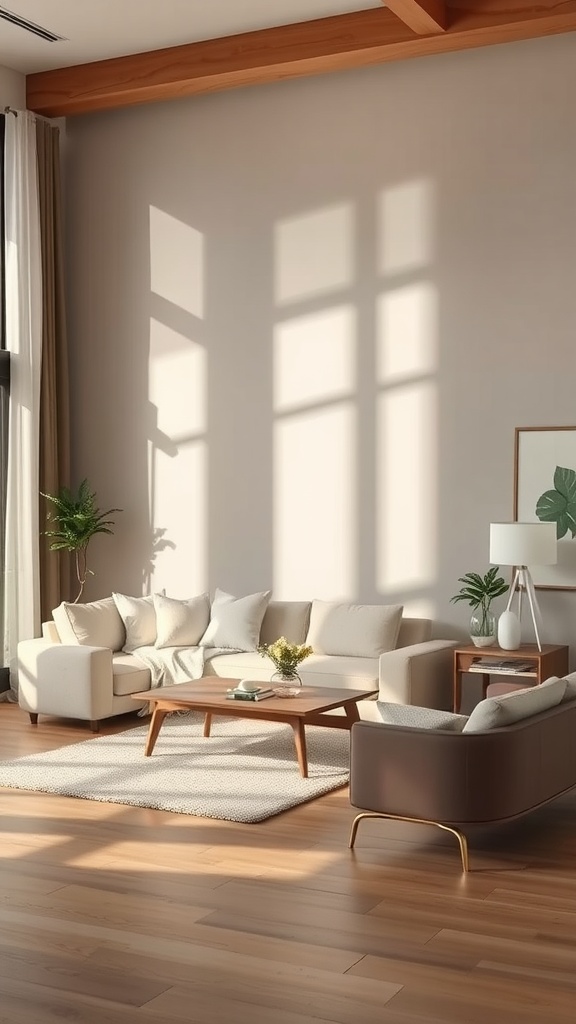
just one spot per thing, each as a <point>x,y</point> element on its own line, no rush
<point>98,29</point>
<point>117,53</point>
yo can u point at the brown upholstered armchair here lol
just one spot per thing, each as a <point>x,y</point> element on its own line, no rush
<point>449,778</point>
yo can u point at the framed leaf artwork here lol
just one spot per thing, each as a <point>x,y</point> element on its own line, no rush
<point>545,491</point>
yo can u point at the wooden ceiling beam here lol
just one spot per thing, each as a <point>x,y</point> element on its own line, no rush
<point>270,55</point>
<point>423,16</point>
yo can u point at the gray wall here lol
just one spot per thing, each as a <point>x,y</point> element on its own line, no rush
<point>305,320</point>
<point>12,89</point>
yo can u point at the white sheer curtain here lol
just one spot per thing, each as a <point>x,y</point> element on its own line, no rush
<point>24,340</point>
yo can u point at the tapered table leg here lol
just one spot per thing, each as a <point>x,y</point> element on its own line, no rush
<point>207,723</point>
<point>158,716</point>
<point>300,743</point>
<point>352,714</point>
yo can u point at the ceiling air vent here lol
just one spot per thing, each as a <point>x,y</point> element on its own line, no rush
<point>29,26</point>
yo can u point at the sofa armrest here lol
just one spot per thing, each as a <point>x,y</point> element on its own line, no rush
<point>49,632</point>
<point>418,773</point>
<point>70,681</point>
<point>420,674</point>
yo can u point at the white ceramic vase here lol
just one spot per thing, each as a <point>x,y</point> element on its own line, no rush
<point>509,630</point>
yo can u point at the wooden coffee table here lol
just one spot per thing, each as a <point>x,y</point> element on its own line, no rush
<point>210,697</point>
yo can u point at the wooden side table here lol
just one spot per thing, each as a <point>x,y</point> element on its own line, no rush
<point>552,660</point>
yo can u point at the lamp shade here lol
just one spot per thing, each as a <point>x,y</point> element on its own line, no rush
<point>523,544</point>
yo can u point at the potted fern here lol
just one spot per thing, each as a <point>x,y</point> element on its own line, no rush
<point>479,592</point>
<point>76,519</point>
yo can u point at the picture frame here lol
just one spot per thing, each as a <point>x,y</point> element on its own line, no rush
<point>545,480</point>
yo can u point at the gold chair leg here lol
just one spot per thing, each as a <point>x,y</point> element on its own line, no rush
<point>462,841</point>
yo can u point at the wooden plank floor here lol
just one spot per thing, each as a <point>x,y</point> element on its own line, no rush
<point>119,915</point>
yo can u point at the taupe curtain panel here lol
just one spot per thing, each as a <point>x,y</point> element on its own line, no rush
<point>54,393</point>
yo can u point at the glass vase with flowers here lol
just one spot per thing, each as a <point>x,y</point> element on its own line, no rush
<point>286,657</point>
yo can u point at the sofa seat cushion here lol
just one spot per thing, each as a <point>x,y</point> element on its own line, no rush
<point>333,670</point>
<point>318,670</point>
<point>128,675</point>
<point>495,712</point>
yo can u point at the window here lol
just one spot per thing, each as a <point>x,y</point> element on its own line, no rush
<point>4,392</point>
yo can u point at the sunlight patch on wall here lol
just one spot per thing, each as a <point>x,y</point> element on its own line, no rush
<point>405,227</point>
<point>180,509</point>
<point>314,358</point>
<point>420,608</point>
<point>177,262</point>
<point>315,512</point>
<point>406,332</point>
<point>314,254</point>
<point>406,475</point>
<point>177,382</point>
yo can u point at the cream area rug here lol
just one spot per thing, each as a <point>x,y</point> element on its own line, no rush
<point>245,771</point>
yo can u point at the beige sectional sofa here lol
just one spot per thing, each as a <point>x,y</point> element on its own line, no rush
<point>86,675</point>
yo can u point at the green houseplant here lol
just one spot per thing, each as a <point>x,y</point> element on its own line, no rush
<point>76,519</point>
<point>479,592</point>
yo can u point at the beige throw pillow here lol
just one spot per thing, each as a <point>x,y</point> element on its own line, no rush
<point>494,712</point>
<point>353,630</point>
<point>235,622</point>
<point>139,618</point>
<point>286,618</point>
<point>412,717</point>
<point>570,692</point>
<point>181,623</point>
<point>96,624</point>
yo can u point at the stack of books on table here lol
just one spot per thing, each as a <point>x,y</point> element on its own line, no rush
<point>261,693</point>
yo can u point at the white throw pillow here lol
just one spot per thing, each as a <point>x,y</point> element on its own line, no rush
<point>181,623</point>
<point>353,630</point>
<point>495,712</point>
<point>412,717</point>
<point>139,618</point>
<point>96,624</point>
<point>235,622</point>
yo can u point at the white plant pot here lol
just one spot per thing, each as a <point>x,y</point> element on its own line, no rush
<point>483,641</point>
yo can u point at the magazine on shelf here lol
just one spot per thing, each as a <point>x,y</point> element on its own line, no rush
<point>495,665</point>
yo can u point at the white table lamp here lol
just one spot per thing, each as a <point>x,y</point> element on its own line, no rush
<point>521,545</point>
